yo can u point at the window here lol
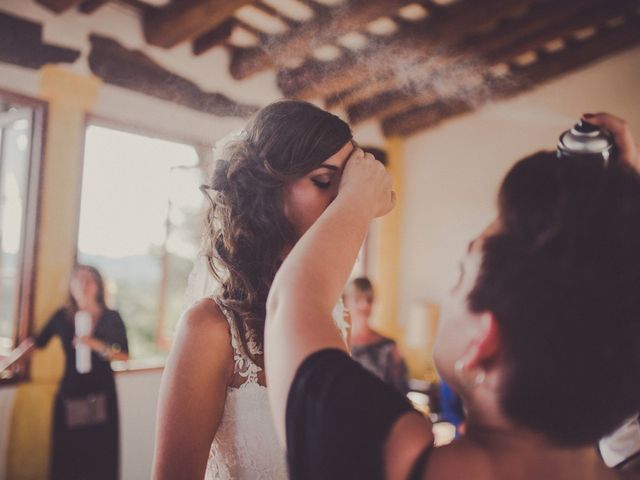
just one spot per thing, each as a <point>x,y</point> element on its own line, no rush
<point>21,127</point>
<point>140,225</point>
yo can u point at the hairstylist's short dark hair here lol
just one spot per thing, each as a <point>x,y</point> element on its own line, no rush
<point>562,277</point>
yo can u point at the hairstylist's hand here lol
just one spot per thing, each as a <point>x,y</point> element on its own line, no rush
<point>366,182</point>
<point>627,148</point>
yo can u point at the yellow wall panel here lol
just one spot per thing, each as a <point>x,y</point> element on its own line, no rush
<point>70,97</point>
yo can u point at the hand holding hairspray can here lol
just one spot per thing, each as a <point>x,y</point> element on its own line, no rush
<point>587,141</point>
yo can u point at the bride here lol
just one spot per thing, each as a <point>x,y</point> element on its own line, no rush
<point>266,190</point>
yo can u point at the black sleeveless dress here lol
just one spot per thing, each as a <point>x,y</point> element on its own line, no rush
<point>81,451</point>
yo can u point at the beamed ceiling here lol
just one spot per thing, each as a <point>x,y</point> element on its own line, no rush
<point>405,64</point>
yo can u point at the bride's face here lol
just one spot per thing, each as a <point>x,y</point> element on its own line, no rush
<point>306,198</point>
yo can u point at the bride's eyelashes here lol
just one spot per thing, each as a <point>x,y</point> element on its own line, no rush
<point>321,185</point>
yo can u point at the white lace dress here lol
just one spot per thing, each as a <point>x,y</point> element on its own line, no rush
<point>245,446</point>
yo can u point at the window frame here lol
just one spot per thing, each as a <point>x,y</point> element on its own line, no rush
<point>201,148</point>
<point>23,318</point>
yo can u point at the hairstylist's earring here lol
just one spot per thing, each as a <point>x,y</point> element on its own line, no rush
<point>469,378</point>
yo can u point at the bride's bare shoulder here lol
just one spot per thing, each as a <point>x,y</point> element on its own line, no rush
<point>204,315</point>
<point>204,325</point>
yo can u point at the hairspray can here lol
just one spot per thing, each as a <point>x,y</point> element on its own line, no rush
<point>83,351</point>
<point>585,140</point>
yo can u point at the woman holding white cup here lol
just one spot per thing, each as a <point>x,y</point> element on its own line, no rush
<point>85,414</point>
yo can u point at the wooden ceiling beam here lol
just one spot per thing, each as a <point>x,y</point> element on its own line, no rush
<point>180,21</point>
<point>269,10</point>
<point>89,6</point>
<point>317,7</point>
<point>444,27</point>
<point>250,28</point>
<point>423,117</point>
<point>575,55</point>
<point>139,5</point>
<point>478,53</point>
<point>58,6</point>
<point>509,31</point>
<point>387,104</point>
<point>214,37</point>
<point>21,44</point>
<point>589,14</point>
<point>327,25</point>
<point>134,70</point>
<point>579,53</point>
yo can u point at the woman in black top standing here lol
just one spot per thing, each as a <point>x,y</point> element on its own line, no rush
<point>375,352</point>
<point>85,414</point>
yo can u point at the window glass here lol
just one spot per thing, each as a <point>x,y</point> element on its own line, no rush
<point>15,154</point>
<point>140,218</point>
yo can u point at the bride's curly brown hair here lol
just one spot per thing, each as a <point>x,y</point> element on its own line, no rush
<point>246,232</point>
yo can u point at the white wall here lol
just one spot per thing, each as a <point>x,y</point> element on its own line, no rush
<point>137,399</point>
<point>452,172</point>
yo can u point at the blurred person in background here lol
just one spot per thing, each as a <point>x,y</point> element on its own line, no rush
<point>377,353</point>
<point>85,414</point>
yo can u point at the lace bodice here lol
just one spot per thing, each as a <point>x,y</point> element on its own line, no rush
<point>245,446</point>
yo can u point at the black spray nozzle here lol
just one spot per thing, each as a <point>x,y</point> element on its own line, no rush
<point>585,127</point>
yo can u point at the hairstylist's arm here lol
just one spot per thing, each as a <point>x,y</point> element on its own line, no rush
<point>312,277</point>
<point>627,147</point>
